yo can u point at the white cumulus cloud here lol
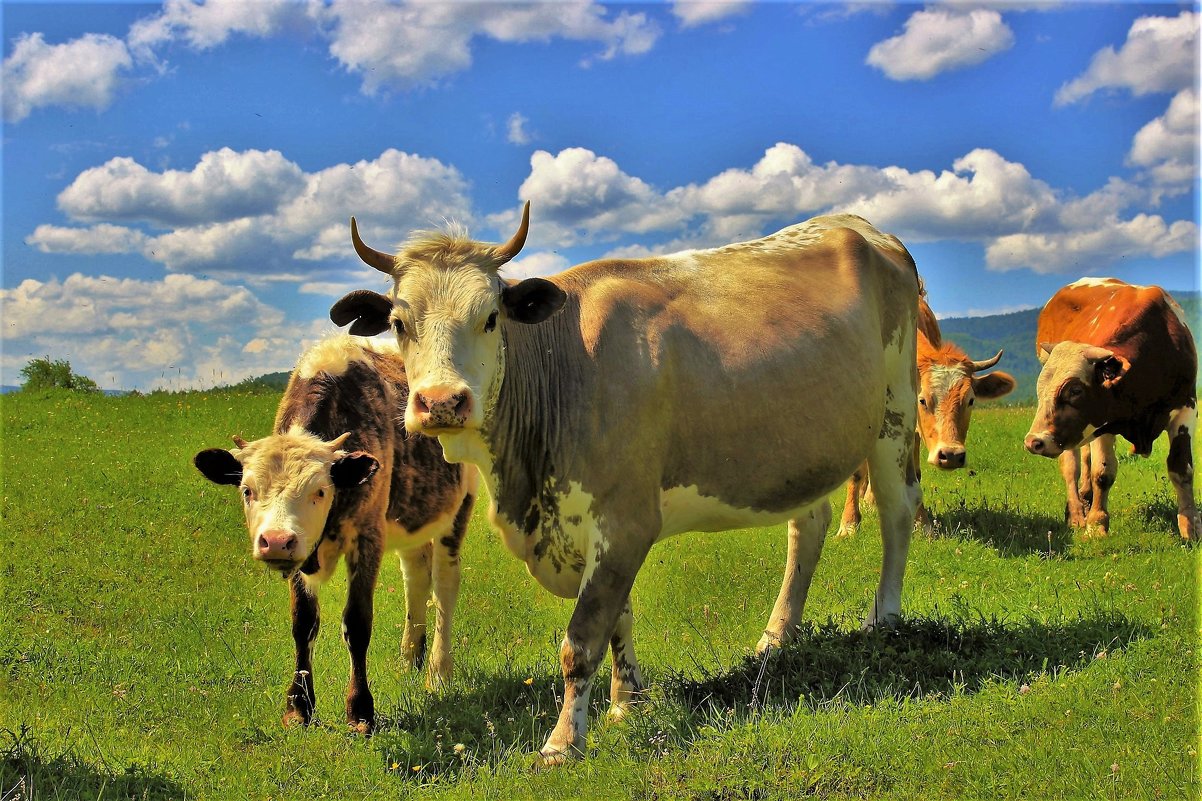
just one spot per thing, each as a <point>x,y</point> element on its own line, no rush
<point>1167,147</point>
<point>400,46</point>
<point>1160,55</point>
<point>693,13</point>
<point>940,39</point>
<point>253,213</point>
<point>82,73</point>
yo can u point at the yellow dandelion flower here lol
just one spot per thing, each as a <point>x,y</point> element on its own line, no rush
<point>528,681</point>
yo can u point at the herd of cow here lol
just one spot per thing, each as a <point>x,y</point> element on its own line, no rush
<point>625,401</point>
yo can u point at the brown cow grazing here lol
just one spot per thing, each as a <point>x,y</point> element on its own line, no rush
<point>948,386</point>
<point>1118,359</point>
<point>624,401</point>
<point>341,478</point>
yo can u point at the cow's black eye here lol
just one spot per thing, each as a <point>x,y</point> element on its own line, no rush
<point>922,402</point>
<point>971,401</point>
<point>398,327</point>
<point>490,323</point>
<point>247,494</point>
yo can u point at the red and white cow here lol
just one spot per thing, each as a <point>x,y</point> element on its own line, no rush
<point>949,384</point>
<point>625,401</point>
<point>1118,359</point>
<point>338,479</point>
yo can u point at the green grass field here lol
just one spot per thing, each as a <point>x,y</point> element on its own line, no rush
<point>143,654</point>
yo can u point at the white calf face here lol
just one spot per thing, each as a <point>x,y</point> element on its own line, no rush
<point>286,483</point>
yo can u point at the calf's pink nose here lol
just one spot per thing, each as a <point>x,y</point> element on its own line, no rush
<point>276,544</point>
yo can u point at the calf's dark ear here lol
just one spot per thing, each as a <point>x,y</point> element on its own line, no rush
<point>532,301</point>
<point>353,469</point>
<point>219,466</point>
<point>369,310</point>
<point>1111,369</point>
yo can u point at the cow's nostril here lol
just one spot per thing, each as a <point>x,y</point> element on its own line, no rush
<point>423,406</point>
<point>290,543</point>
<point>263,544</point>
<point>462,405</point>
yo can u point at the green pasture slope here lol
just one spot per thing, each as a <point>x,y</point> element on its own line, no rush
<point>143,655</point>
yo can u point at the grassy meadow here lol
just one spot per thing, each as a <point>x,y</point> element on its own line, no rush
<point>144,655</point>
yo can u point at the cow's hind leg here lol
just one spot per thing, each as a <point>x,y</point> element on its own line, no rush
<point>446,593</point>
<point>306,620</point>
<point>1103,469</point>
<point>1181,428</point>
<point>417,567</point>
<point>898,492</point>
<point>807,533</point>
<point>849,523</point>
<point>626,682</point>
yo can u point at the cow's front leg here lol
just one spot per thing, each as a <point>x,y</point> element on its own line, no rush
<point>850,521</point>
<point>362,569</point>
<point>1070,469</point>
<point>599,604</point>
<point>626,682</point>
<point>416,565</point>
<point>1103,469</point>
<point>1181,469</point>
<point>306,620</point>
<point>446,593</point>
<point>807,533</point>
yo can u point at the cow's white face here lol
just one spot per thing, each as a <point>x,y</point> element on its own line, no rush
<point>448,309</point>
<point>448,326</point>
<point>286,483</point>
<point>1073,396</point>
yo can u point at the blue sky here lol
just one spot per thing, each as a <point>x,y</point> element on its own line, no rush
<point>178,178</point>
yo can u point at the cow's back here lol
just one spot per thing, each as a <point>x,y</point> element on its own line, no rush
<point>754,373</point>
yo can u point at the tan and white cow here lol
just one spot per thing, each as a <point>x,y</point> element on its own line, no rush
<point>1118,359</point>
<point>625,401</point>
<point>340,478</point>
<point>949,384</point>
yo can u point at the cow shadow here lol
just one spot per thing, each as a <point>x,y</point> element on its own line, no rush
<point>917,658</point>
<point>1010,532</point>
<point>28,771</point>
<point>497,717</point>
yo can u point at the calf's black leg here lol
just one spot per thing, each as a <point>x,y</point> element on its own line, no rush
<point>305,621</point>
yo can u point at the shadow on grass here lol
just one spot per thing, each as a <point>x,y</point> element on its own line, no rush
<point>919,657</point>
<point>1008,531</point>
<point>490,718</point>
<point>28,773</point>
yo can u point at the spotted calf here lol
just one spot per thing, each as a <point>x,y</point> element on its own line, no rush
<point>340,478</point>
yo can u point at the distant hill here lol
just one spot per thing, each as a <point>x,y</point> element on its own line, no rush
<point>981,337</point>
<point>276,381</point>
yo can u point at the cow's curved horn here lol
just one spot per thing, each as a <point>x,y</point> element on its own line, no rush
<point>238,441</point>
<point>511,248</point>
<point>372,257</point>
<point>987,363</point>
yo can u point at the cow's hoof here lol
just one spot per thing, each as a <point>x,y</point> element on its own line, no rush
<point>620,711</point>
<point>1189,526</point>
<point>362,728</point>
<point>881,623</point>
<point>847,530</point>
<point>550,757</point>
<point>768,644</point>
<point>294,717</point>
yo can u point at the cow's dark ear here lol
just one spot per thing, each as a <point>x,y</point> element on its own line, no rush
<point>1110,371</point>
<point>353,469</point>
<point>532,301</point>
<point>369,310</point>
<point>219,466</point>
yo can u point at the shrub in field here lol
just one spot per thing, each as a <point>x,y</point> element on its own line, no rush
<point>43,373</point>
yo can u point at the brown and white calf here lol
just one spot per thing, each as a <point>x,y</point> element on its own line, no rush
<point>1118,359</point>
<point>624,401</point>
<point>340,478</point>
<point>949,384</point>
